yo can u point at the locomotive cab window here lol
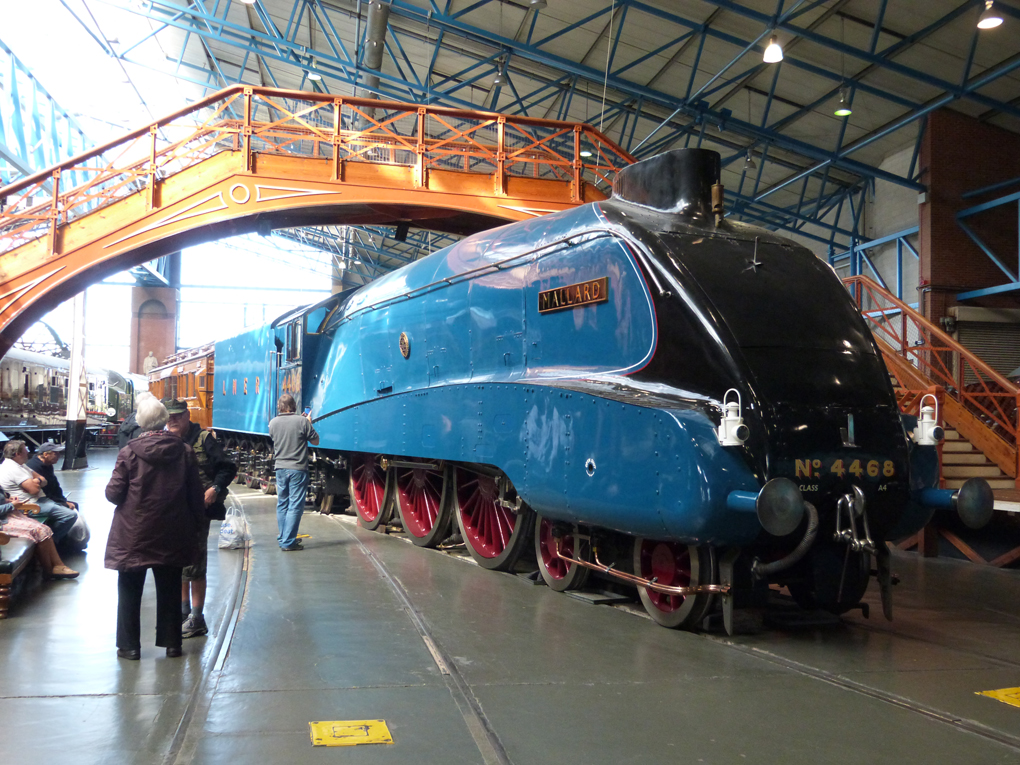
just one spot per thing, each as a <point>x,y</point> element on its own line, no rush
<point>294,341</point>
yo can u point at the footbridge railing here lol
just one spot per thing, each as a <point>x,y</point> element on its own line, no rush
<point>266,121</point>
<point>977,401</point>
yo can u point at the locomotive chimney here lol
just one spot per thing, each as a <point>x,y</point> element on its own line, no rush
<point>684,181</point>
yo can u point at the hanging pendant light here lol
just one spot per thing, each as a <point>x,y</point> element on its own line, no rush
<point>538,4</point>
<point>774,52</point>
<point>749,163</point>
<point>989,18</point>
<point>843,107</point>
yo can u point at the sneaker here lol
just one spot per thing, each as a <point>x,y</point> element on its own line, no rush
<point>293,547</point>
<point>194,627</point>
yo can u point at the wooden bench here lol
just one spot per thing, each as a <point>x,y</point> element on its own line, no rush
<point>15,555</point>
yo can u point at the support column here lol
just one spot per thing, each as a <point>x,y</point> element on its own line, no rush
<point>77,393</point>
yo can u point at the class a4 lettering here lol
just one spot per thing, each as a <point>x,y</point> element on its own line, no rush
<point>574,295</point>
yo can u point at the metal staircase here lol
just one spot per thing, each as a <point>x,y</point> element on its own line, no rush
<point>977,405</point>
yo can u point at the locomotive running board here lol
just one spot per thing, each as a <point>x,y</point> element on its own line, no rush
<point>638,580</point>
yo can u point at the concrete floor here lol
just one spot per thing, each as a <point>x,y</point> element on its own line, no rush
<point>469,666</point>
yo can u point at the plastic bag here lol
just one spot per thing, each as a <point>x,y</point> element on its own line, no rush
<point>79,534</point>
<point>234,531</point>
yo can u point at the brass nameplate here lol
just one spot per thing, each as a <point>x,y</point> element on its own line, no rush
<point>574,295</point>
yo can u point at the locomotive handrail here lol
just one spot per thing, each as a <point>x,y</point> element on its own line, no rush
<point>258,120</point>
<point>908,339</point>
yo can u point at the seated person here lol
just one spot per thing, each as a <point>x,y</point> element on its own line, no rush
<point>14,523</point>
<point>45,458</point>
<point>26,486</point>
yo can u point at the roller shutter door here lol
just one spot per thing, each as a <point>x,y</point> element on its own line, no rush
<point>995,343</point>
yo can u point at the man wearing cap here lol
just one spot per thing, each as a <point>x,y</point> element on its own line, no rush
<point>216,472</point>
<point>27,485</point>
<point>45,458</point>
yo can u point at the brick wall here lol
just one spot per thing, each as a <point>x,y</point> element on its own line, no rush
<point>960,154</point>
<point>153,324</point>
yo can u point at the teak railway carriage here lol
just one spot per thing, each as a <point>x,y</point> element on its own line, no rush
<point>645,389</point>
<point>188,376</point>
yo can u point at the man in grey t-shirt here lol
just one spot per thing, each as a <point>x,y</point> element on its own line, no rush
<point>291,434</point>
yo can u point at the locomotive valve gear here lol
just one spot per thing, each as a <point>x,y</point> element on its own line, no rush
<point>732,430</point>
<point>928,432</point>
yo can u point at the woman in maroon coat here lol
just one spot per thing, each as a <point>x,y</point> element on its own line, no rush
<point>158,493</point>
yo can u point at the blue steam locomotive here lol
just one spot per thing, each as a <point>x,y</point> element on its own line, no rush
<point>641,387</point>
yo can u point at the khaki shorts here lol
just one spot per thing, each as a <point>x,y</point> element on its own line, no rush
<point>197,570</point>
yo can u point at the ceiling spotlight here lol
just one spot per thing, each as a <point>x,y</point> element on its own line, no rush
<point>773,53</point>
<point>749,162</point>
<point>989,18</point>
<point>498,79</point>
<point>314,76</point>
<point>843,107</point>
<point>248,2</point>
<point>538,4</point>
<point>585,153</point>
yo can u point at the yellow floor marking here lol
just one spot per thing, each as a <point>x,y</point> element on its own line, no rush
<point>1009,696</point>
<point>349,732</point>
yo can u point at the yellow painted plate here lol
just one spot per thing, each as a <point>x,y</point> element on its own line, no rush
<point>349,732</point>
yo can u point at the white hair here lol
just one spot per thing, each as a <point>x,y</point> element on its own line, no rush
<point>151,414</point>
<point>142,396</point>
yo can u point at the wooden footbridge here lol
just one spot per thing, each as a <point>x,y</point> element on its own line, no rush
<point>252,159</point>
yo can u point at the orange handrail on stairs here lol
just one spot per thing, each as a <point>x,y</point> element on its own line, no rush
<point>978,401</point>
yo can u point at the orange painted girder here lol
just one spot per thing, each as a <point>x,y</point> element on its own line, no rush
<point>217,192</point>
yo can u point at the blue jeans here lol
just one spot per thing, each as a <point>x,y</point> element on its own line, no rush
<point>291,486</point>
<point>60,518</point>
